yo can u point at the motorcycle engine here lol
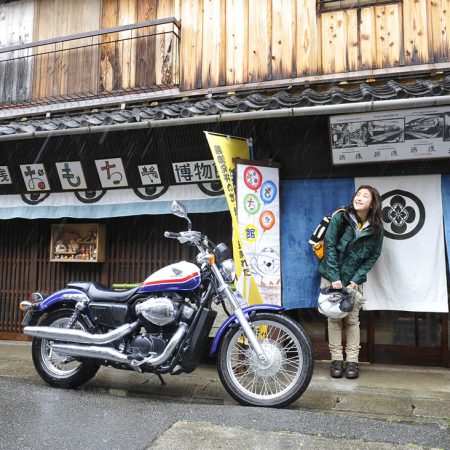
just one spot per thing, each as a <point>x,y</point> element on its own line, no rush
<point>145,344</point>
<point>162,310</point>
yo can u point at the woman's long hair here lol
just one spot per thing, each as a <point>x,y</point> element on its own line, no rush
<point>374,214</point>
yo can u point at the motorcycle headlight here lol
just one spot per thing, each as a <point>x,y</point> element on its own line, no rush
<point>221,252</point>
<point>228,270</point>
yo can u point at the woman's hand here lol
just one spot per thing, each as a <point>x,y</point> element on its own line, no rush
<point>353,285</point>
<point>337,284</point>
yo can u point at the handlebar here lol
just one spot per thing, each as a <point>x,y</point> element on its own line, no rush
<point>188,237</point>
<point>171,235</point>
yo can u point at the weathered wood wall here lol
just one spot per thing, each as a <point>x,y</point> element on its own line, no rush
<point>438,13</point>
<point>56,73</point>
<point>223,42</point>
<point>244,41</point>
<point>16,26</point>
<point>142,57</point>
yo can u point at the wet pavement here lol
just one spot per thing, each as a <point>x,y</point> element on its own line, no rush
<point>403,395</point>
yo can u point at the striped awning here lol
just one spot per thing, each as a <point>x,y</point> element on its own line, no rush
<point>109,203</point>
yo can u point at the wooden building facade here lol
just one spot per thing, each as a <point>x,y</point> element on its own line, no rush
<point>220,43</point>
<point>109,62</point>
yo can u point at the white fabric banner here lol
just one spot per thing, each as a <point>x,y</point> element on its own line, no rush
<point>258,211</point>
<point>197,198</point>
<point>410,273</point>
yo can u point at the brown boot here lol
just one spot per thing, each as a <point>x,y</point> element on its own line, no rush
<point>337,369</point>
<point>352,370</point>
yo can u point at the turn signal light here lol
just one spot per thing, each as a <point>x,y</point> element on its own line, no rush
<point>25,305</point>
<point>212,259</point>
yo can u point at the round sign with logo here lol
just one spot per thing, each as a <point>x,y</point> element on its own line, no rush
<point>403,214</point>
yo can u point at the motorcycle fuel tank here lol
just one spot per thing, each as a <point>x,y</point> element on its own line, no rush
<point>181,276</point>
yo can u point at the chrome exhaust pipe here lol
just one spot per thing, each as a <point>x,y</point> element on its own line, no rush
<point>111,354</point>
<point>79,336</point>
<point>90,351</point>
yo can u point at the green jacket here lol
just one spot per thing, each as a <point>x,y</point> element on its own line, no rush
<point>349,254</point>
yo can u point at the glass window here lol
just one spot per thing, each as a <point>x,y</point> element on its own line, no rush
<point>408,328</point>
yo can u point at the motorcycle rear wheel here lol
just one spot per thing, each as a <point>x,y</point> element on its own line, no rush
<point>61,371</point>
<point>283,379</point>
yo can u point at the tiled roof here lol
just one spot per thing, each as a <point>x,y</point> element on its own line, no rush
<point>391,90</point>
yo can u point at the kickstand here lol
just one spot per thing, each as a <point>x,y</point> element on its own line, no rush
<point>161,379</point>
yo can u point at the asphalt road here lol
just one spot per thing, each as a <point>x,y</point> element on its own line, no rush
<point>34,416</point>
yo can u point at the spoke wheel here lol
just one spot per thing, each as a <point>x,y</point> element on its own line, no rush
<point>61,370</point>
<point>280,380</point>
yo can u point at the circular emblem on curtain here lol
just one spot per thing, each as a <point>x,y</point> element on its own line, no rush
<point>403,214</point>
<point>212,188</point>
<point>34,198</point>
<point>89,196</point>
<point>150,192</point>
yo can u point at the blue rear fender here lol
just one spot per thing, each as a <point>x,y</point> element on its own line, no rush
<point>56,298</point>
<point>232,319</point>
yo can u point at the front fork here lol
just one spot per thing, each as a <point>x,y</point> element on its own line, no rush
<point>254,341</point>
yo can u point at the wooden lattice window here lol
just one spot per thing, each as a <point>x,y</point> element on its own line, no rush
<point>339,5</point>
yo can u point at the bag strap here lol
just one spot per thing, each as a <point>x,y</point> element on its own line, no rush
<point>342,225</point>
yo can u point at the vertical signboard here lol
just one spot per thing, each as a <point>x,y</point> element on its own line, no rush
<point>258,211</point>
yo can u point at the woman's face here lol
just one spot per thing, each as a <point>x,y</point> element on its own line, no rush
<point>362,201</point>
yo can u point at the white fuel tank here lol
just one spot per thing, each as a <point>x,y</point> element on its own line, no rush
<point>181,276</point>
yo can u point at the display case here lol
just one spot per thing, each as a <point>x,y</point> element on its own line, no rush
<point>78,242</point>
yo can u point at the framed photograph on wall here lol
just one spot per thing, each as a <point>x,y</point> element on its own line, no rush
<point>410,134</point>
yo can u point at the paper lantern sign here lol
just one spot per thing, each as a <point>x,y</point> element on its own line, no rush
<point>111,172</point>
<point>35,177</point>
<point>71,175</point>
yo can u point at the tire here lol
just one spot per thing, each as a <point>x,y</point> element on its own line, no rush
<point>58,371</point>
<point>290,356</point>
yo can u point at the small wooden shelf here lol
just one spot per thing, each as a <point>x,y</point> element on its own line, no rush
<point>77,243</point>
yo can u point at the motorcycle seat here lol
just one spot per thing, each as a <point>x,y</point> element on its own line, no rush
<point>81,285</point>
<point>101,293</point>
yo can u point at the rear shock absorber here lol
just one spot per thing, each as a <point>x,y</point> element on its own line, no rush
<point>76,313</point>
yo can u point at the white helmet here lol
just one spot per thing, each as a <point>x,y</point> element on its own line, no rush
<point>335,303</point>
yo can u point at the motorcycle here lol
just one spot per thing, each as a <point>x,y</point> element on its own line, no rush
<point>264,358</point>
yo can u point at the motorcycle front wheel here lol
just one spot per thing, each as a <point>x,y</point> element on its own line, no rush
<point>283,378</point>
<point>57,370</point>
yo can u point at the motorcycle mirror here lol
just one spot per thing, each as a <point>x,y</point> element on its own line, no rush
<point>179,210</point>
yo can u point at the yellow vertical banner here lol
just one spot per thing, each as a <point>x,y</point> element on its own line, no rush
<point>224,149</point>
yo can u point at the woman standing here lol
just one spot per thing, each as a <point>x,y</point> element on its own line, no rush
<point>353,243</point>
